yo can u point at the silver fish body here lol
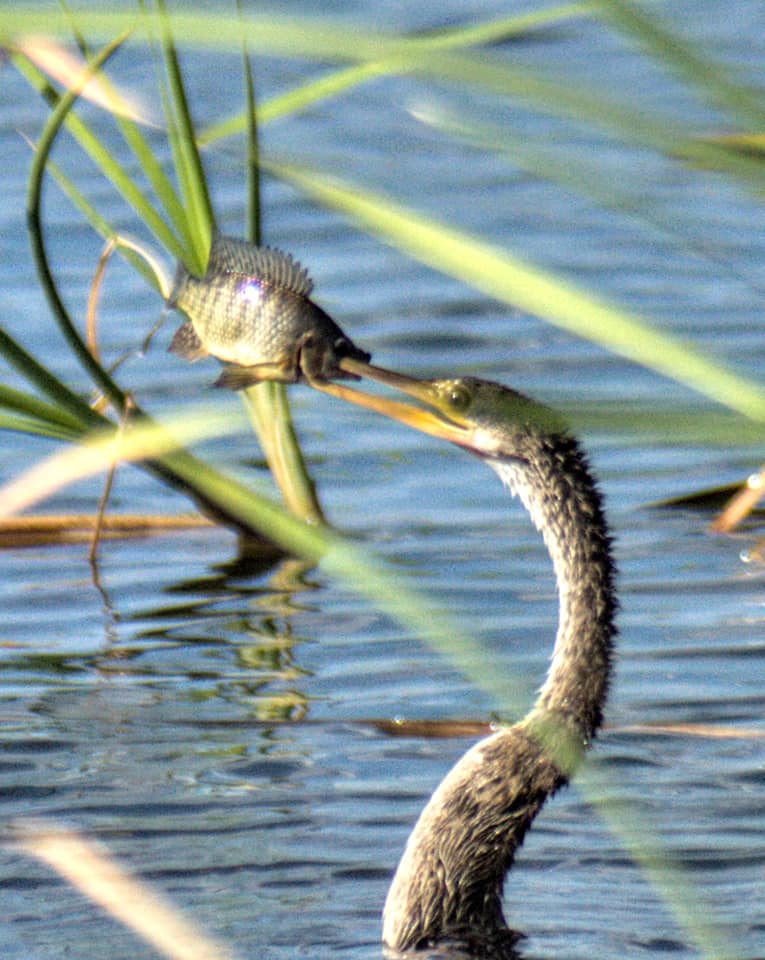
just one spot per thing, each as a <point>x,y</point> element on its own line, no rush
<point>252,310</point>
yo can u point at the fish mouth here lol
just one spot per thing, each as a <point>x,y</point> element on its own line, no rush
<point>437,416</point>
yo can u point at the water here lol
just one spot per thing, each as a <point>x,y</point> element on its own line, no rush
<point>215,722</point>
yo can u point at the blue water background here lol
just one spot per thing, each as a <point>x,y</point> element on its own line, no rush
<point>215,723</point>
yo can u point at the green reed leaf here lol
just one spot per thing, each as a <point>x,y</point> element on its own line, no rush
<point>692,910</point>
<point>508,278</point>
<point>188,162</point>
<point>595,181</point>
<point>338,82</point>
<point>105,161</point>
<point>324,40</point>
<point>57,418</point>
<point>68,402</point>
<point>267,403</point>
<point>252,120</point>
<point>34,200</point>
<point>31,426</point>
<point>128,122</point>
<point>101,225</point>
<point>705,74</point>
<point>159,181</point>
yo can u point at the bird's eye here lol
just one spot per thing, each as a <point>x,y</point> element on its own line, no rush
<point>459,397</point>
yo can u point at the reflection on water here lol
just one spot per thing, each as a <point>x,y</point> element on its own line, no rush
<point>222,722</point>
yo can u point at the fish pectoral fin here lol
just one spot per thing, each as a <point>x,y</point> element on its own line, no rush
<point>239,378</point>
<point>186,343</point>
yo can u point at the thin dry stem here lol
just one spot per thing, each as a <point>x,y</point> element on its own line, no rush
<point>42,530</point>
<point>740,505</point>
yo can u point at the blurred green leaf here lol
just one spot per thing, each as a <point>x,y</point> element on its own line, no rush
<point>340,81</point>
<point>703,73</point>
<point>501,275</point>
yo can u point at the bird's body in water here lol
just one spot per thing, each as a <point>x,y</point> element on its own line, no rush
<point>252,310</point>
<point>449,882</point>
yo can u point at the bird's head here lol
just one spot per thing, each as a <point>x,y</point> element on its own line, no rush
<point>484,417</point>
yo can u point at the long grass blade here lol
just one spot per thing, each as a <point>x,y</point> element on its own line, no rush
<point>322,40</point>
<point>45,413</point>
<point>254,204</point>
<point>59,63</point>
<point>152,168</point>
<point>188,162</point>
<point>271,418</point>
<point>103,227</point>
<point>31,426</point>
<point>105,161</point>
<point>707,75</point>
<point>34,199</point>
<point>637,834</point>
<point>267,403</point>
<point>507,278</point>
<point>47,383</point>
<point>338,82</point>
<point>596,182</point>
<point>159,180</point>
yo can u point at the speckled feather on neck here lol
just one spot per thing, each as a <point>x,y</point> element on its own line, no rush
<point>448,885</point>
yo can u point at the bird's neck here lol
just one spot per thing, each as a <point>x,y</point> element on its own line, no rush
<point>448,885</point>
<point>555,486</point>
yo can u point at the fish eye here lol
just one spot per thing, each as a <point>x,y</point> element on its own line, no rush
<point>459,397</point>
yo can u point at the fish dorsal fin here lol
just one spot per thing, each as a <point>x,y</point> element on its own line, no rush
<point>274,266</point>
<point>230,255</point>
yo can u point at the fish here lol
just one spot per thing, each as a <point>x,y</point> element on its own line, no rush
<point>253,311</point>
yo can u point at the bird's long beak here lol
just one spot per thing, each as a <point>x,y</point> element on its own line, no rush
<point>438,421</point>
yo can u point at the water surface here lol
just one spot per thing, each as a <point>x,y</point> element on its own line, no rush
<point>214,722</point>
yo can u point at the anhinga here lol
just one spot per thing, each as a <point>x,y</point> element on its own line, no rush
<point>448,885</point>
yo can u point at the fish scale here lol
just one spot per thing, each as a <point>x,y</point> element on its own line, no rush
<point>252,311</point>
